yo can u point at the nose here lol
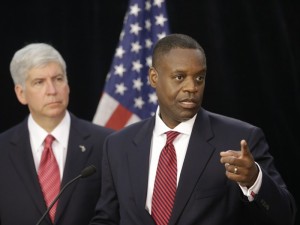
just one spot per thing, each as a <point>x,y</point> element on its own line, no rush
<point>190,85</point>
<point>51,88</point>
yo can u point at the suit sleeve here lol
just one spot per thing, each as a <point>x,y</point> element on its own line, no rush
<point>273,201</point>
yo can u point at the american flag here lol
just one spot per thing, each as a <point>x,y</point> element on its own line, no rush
<point>127,95</point>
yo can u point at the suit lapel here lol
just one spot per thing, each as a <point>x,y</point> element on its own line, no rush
<point>138,162</point>
<point>22,159</point>
<point>78,152</point>
<point>198,154</point>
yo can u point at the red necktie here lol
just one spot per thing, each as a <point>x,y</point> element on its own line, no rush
<point>165,182</point>
<point>49,176</point>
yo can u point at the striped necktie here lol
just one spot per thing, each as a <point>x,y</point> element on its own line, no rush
<point>49,176</point>
<point>165,182</point>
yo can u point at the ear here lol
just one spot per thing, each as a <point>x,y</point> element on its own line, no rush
<point>153,76</point>
<point>20,93</point>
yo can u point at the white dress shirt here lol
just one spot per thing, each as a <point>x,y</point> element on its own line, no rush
<point>159,139</point>
<point>60,144</point>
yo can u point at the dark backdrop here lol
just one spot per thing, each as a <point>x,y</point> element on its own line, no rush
<point>252,49</point>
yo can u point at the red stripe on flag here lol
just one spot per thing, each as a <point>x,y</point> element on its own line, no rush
<point>119,118</point>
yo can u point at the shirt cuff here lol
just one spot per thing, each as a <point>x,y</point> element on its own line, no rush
<point>254,189</point>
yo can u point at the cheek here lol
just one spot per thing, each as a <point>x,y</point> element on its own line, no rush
<point>34,100</point>
<point>167,96</point>
<point>201,90</point>
<point>30,95</point>
<point>65,91</point>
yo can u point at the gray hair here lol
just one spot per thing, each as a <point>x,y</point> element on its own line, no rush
<point>31,56</point>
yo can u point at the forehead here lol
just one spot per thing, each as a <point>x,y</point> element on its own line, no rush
<point>51,64</point>
<point>182,57</point>
<point>47,68</point>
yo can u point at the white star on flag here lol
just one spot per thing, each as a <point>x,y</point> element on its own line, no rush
<point>127,96</point>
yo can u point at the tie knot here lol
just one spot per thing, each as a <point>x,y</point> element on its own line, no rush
<point>48,141</point>
<point>171,135</point>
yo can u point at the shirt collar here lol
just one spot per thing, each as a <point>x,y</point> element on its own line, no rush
<point>38,134</point>
<point>184,127</point>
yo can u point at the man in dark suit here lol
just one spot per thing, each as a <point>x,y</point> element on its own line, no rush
<point>39,73</point>
<point>225,173</point>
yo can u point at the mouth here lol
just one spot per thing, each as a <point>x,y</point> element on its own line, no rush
<point>53,103</point>
<point>189,103</point>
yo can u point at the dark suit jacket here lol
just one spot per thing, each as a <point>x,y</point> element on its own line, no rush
<point>21,199</point>
<point>205,196</point>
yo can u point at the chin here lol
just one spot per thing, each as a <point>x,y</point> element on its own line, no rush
<point>188,114</point>
<point>185,118</point>
<point>56,113</point>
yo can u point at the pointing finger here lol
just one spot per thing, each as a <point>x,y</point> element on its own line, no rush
<point>244,148</point>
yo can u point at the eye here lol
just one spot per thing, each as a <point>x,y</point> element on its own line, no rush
<point>59,78</point>
<point>179,76</point>
<point>37,82</point>
<point>200,78</point>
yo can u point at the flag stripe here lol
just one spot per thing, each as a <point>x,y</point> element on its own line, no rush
<point>118,118</point>
<point>133,119</point>
<point>105,108</point>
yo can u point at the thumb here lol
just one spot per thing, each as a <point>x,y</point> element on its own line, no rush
<point>244,148</point>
